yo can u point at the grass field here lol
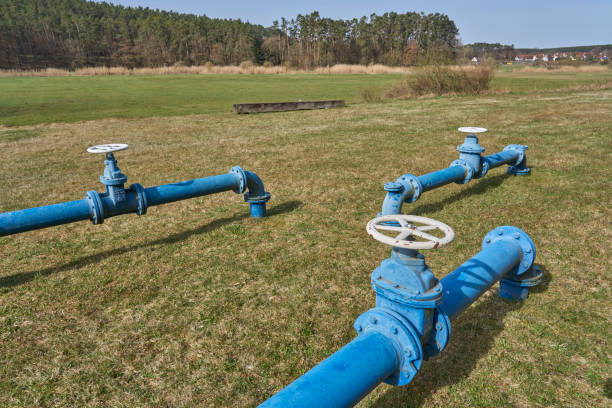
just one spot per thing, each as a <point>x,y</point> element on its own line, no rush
<point>35,100</point>
<point>196,304</point>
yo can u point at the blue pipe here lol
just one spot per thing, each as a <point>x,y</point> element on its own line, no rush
<point>393,338</point>
<point>344,378</point>
<point>408,188</point>
<point>442,177</point>
<point>466,283</point>
<point>168,193</point>
<point>135,199</point>
<point>42,217</point>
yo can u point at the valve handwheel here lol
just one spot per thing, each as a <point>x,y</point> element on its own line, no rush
<point>470,129</point>
<point>107,148</point>
<point>408,228</point>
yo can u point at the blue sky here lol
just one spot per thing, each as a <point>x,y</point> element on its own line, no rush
<point>524,23</point>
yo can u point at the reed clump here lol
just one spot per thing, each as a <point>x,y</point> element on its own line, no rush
<point>443,80</point>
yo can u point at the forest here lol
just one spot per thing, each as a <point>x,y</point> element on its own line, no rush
<point>70,34</point>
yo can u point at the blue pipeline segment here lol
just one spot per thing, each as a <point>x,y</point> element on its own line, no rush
<point>442,177</point>
<point>469,281</point>
<point>501,158</point>
<point>343,378</point>
<point>168,193</point>
<point>98,207</point>
<point>42,217</point>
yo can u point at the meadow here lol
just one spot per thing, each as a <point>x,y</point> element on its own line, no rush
<point>197,304</point>
<point>45,99</point>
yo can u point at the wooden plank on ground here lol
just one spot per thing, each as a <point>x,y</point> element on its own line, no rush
<point>285,106</point>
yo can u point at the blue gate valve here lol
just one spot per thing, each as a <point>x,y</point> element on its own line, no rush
<point>470,165</point>
<point>412,318</point>
<point>119,200</point>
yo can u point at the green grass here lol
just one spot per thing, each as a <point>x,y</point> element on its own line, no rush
<point>197,304</point>
<point>34,100</point>
<point>518,81</point>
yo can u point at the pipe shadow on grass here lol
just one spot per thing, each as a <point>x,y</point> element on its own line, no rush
<point>24,277</point>
<point>473,335</point>
<point>480,187</point>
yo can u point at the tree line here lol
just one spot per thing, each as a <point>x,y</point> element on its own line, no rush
<point>71,34</point>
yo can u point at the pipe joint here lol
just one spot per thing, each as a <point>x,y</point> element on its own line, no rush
<point>242,179</point>
<point>402,335</point>
<point>439,335</point>
<point>484,169</point>
<point>516,288</point>
<point>257,195</point>
<point>519,168</point>
<point>95,207</point>
<point>518,237</point>
<point>141,197</point>
<point>407,189</point>
<point>467,167</point>
<point>412,186</point>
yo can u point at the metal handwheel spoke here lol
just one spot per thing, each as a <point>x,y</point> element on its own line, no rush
<point>390,228</point>
<point>424,235</point>
<point>427,227</point>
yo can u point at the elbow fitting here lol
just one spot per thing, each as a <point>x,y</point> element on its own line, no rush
<point>519,168</point>
<point>407,189</point>
<point>515,284</point>
<point>257,196</point>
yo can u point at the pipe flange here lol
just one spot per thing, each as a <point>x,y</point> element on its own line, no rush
<point>484,168</point>
<point>242,179</point>
<point>113,182</point>
<point>470,146</point>
<point>411,182</point>
<point>403,336</point>
<point>533,278</point>
<point>520,149</point>
<point>95,207</point>
<point>518,236</point>
<point>257,199</point>
<point>469,171</point>
<point>142,198</point>
<point>440,334</point>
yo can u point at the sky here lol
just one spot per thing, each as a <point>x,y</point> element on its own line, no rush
<point>524,23</point>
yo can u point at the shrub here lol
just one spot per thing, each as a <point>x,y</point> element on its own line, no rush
<point>370,95</point>
<point>440,80</point>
